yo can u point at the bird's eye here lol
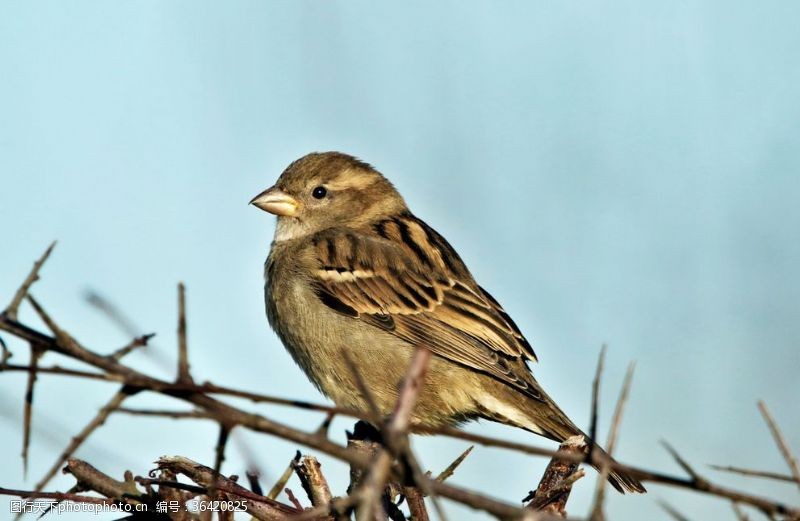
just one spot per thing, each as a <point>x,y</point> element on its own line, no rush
<point>319,192</point>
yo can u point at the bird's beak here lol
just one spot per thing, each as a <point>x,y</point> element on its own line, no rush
<point>276,201</point>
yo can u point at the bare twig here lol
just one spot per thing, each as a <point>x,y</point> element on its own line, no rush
<point>618,410</point>
<point>75,489</point>
<point>339,507</point>
<point>36,355</point>
<point>701,484</point>
<point>13,307</point>
<point>81,437</point>
<point>5,354</point>
<point>222,442</point>
<point>258,506</point>
<point>137,342</point>
<point>754,473</point>
<point>421,480</point>
<point>308,469</point>
<point>195,395</point>
<point>161,386</point>
<point>255,485</point>
<point>199,396</point>
<point>58,496</point>
<point>763,504</point>
<point>323,428</point>
<point>409,391</point>
<point>596,397</point>
<point>183,350</point>
<point>175,415</point>
<point>62,371</point>
<point>396,431</point>
<point>780,441</point>
<point>66,345</point>
<point>740,515</point>
<point>92,479</point>
<point>451,468</point>
<point>670,510</point>
<point>394,437</point>
<point>597,513</point>
<point>682,462</point>
<point>293,499</point>
<point>279,485</point>
<point>368,485</point>
<point>555,498</point>
<point>489,441</point>
<point>480,501</point>
<point>416,504</point>
<point>553,491</point>
<point>366,441</point>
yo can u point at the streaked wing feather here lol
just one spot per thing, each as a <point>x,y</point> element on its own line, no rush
<point>406,279</point>
<point>449,342</point>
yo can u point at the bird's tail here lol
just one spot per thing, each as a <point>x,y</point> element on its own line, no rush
<point>619,479</point>
<point>548,420</point>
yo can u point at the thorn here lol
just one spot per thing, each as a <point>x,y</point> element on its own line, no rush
<point>446,473</point>
<point>22,292</point>
<point>682,462</point>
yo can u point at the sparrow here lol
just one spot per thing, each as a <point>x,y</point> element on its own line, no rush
<point>352,273</point>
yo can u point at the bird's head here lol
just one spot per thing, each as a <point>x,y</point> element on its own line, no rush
<point>326,190</point>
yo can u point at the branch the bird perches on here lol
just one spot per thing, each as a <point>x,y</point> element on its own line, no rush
<point>386,475</point>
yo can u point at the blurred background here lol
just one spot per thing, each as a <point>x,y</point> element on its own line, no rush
<point>613,172</point>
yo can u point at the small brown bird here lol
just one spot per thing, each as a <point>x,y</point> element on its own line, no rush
<point>352,272</point>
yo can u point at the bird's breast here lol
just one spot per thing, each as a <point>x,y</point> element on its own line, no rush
<point>321,340</point>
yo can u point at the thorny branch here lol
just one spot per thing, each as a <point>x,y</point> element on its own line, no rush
<point>783,446</point>
<point>556,484</point>
<point>312,479</point>
<point>597,513</point>
<point>755,473</point>
<point>390,471</point>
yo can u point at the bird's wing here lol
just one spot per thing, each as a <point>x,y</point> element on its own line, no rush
<point>404,278</point>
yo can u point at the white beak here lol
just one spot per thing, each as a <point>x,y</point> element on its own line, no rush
<point>276,201</point>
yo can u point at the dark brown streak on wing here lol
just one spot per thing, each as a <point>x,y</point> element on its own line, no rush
<point>386,322</point>
<point>422,298</point>
<point>510,322</point>
<point>331,252</point>
<point>405,235</point>
<point>448,254</point>
<point>335,304</point>
<point>402,277</point>
<point>450,343</point>
<point>458,268</point>
<point>468,312</point>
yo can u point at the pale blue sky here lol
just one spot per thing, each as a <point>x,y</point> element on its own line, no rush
<point>620,172</point>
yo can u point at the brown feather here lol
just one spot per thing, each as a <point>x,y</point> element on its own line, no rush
<point>400,268</point>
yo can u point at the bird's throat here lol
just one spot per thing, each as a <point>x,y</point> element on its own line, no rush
<point>289,228</point>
